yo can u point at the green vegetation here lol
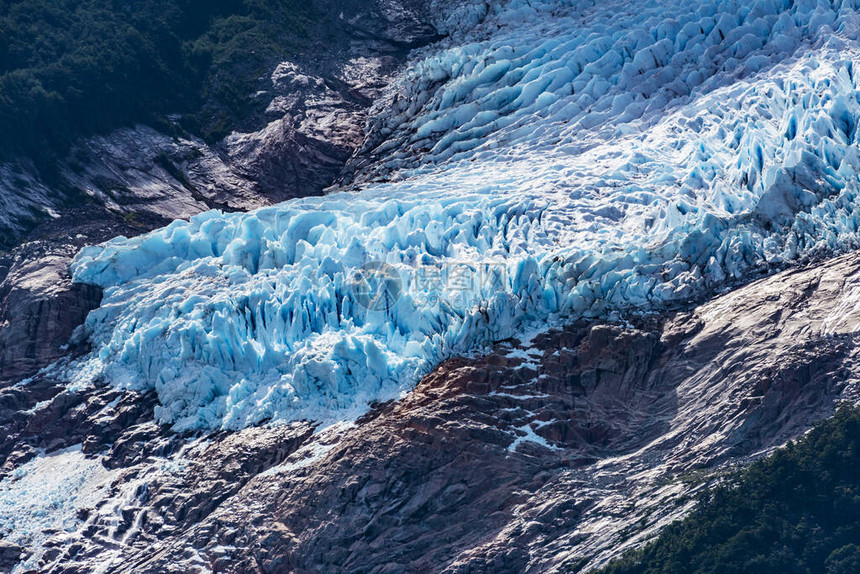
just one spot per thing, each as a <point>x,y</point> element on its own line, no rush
<point>76,67</point>
<point>797,511</point>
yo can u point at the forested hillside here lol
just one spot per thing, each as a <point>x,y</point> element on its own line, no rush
<point>70,68</point>
<point>794,512</point>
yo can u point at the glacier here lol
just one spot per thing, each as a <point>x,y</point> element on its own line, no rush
<point>547,161</point>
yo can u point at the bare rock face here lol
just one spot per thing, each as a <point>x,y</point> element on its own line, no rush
<point>39,310</point>
<point>547,455</point>
<point>9,555</point>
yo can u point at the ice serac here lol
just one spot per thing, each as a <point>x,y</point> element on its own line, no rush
<point>569,161</point>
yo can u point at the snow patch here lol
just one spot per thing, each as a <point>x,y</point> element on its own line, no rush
<point>529,435</point>
<point>44,495</point>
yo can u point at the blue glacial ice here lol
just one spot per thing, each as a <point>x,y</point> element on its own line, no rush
<point>568,159</point>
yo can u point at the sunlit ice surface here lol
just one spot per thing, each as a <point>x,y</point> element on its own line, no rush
<point>548,161</point>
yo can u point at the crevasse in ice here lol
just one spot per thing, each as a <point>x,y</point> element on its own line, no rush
<point>550,160</point>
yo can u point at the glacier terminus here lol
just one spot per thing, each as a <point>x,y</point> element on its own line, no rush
<point>598,160</point>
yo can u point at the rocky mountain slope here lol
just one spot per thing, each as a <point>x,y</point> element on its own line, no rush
<point>544,455</point>
<point>789,512</point>
<point>135,179</point>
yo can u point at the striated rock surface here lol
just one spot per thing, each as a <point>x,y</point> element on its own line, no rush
<point>40,309</point>
<point>552,454</point>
